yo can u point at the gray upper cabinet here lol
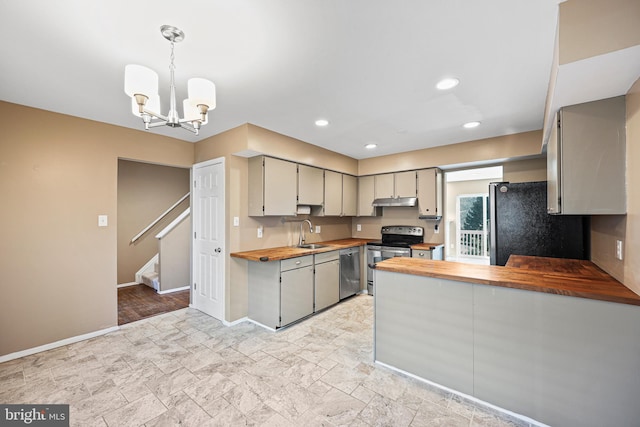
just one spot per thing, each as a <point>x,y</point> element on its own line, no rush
<point>366,195</point>
<point>272,186</point>
<point>430,192</point>
<point>349,195</point>
<point>310,185</point>
<point>340,194</point>
<point>405,184</point>
<point>399,184</point>
<point>384,186</point>
<point>586,159</point>
<point>332,193</point>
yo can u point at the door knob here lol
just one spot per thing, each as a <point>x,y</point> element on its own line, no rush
<point>218,250</point>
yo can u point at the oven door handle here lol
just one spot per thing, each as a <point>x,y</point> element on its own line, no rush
<point>397,252</point>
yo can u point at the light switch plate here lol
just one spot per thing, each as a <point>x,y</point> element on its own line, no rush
<point>619,250</point>
<point>358,227</point>
<point>236,221</point>
<point>103,221</point>
<point>318,229</point>
<point>259,232</point>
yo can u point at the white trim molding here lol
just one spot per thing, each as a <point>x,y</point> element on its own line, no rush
<point>61,343</point>
<point>124,285</point>
<point>168,291</point>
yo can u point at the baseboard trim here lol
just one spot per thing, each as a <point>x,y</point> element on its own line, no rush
<point>259,324</point>
<point>168,291</point>
<point>124,285</point>
<point>51,346</point>
<point>235,322</point>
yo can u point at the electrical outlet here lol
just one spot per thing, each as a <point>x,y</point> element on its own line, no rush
<point>259,232</point>
<point>317,229</point>
<point>358,227</point>
<point>436,229</point>
<point>619,249</point>
<point>103,221</point>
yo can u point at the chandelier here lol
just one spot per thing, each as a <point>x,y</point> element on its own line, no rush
<point>141,84</point>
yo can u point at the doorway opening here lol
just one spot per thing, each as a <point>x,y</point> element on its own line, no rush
<point>466,216</point>
<point>153,239</point>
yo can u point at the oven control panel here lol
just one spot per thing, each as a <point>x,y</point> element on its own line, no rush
<point>404,230</point>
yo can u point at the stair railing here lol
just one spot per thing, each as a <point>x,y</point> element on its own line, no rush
<point>157,220</point>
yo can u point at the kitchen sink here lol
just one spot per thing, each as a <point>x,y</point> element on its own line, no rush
<point>311,246</point>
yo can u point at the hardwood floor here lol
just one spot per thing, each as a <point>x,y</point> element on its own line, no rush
<point>140,301</point>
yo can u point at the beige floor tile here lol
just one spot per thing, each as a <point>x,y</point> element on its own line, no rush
<point>185,368</point>
<point>136,413</point>
<point>182,410</point>
<point>382,411</point>
<point>344,378</point>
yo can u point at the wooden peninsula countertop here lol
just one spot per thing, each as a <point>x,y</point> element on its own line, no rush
<point>286,252</point>
<point>576,278</point>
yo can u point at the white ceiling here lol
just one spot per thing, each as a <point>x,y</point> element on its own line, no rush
<point>368,66</point>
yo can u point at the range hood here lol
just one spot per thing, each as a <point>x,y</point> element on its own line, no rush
<point>398,201</point>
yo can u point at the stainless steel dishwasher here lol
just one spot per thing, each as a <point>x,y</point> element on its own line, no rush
<point>349,272</point>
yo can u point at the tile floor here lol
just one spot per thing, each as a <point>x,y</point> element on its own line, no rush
<point>185,368</point>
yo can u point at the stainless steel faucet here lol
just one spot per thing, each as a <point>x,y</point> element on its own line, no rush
<point>301,240</point>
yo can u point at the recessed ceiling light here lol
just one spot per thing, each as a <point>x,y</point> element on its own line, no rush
<point>370,146</point>
<point>448,83</point>
<point>471,125</point>
<point>322,122</point>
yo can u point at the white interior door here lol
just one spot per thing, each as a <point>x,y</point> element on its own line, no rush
<point>208,254</point>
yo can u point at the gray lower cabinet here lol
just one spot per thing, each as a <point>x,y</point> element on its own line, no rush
<point>327,279</point>
<point>281,292</point>
<point>563,361</point>
<point>425,328</point>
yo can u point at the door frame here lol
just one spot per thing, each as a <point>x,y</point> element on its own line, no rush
<point>194,218</point>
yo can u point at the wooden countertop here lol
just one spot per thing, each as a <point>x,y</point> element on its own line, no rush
<point>575,278</point>
<point>426,246</point>
<point>285,252</point>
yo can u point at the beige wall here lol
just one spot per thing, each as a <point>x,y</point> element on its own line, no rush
<point>586,27</point>
<point>145,191</point>
<point>606,229</point>
<point>274,144</point>
<point>57,174</point>
<point>525,170</point>
<point>276,232</point>
<point>491,150</point>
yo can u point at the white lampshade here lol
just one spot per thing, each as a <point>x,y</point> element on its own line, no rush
<point>140,80</point>
<point>202,91</point>
<point>153,104</point>
<point>192,113</point>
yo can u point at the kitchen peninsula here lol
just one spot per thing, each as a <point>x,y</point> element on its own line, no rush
<point>554,340</point>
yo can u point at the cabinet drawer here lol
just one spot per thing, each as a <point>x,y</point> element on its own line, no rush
<point>298,262</point>
<point>327,256</point>
<point>422,253</point>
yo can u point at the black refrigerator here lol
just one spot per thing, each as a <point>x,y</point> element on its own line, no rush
<point>520,225</point>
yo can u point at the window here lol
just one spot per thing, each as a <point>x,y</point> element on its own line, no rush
<point>472,215</point>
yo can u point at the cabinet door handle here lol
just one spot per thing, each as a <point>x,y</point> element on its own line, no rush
<point>421,253</point>
<point>298,262</point>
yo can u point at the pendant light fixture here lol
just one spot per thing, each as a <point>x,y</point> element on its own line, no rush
<point>141,84</point>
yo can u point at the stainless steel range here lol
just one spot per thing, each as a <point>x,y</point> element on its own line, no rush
<point>396,241</point>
